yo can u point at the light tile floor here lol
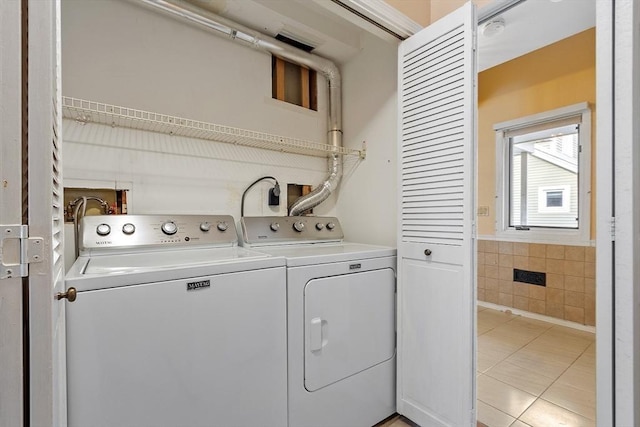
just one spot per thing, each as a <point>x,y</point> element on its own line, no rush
<point>534,373</point>
<point>530,374</point>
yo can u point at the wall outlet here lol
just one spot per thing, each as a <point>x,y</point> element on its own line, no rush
<point>483,210</point>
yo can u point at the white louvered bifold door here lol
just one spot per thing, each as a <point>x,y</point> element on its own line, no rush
<point>11,305</point>
<point>47,354</point>
<point>436,297</point>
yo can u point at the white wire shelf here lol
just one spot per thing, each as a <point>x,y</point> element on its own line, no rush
<point>84,111</point>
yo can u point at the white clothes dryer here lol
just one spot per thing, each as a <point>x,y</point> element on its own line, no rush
<point>174,325</point>
<point>341,320</point>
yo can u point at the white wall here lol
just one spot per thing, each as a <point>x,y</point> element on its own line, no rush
<point>117,52</point>
<point>367,199</point>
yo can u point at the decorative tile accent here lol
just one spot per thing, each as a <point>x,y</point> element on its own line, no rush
<point>574,299</point>
<point>537,250</point>
<point>590,270</point>
<point>491,246</point>
<point>491,284</point>
<point>570,288</point>
<point>574,253</point>
<point>505,248</point>
<point>521,249</point>
<point>505,273</point>
<point>590,254</point>
<point>555,296</point>
<point>574,283</point>
<point>521,289</point>
<point>555,310</point>
<point>506,287</point>
<point>505,260</point>
<point>537,292</point>
<point>555,280</point>
<point>590,286</point>
<point>521,303</point>
<point>574,314</point>
<point>505,299</point>
<point>556,266</point>
<point>538,264</point>
<point>574,268</point>
<point>521,262</point>
<point>491,296</point>
<point>555,251</point>
<point>537,306</point>
<point>492,271</point>
<point>490,259</point>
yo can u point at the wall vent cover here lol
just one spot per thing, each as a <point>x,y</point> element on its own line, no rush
<point>530,277</point>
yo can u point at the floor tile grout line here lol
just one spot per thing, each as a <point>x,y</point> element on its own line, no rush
<point>499,410</point>
<point>554,380</point>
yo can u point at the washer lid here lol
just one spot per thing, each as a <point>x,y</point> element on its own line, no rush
<point>322,253</point>
<point>107,271</point>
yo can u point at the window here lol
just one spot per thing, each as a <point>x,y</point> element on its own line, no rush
<point>554,199</point>
<point>543,169</point>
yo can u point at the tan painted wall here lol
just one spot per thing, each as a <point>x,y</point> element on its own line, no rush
<point>440,8</point>
<point>418,10</point>
<point>552,77</point>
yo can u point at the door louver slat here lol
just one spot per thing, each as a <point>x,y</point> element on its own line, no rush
<point>433,154</point>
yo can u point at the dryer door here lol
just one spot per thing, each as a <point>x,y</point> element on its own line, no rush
<point>349,325</point>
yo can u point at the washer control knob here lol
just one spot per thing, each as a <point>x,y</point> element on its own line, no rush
<point>319,226</point>
<point>274,226</point>
<point>298,226</point>
<point>331,225</point>
<point>128,228</point>
<point>103,229</point>
<point>205,226</point>
<point>222,226</point>
<point>169,228</point>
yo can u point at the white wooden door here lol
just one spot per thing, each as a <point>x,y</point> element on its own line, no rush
<point>11,339</point>
<point>47,381</point>
<point>436,245</point>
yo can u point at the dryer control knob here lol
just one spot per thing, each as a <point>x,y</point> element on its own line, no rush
<point>222,226</point>
<point>169,228</point>
<point>103,229</point>
<point>298,226</point>
<point>274,226</point>
<point>319,226</point>
<point>128,228</point>
<point>331,226</point>
<point>205,226</point>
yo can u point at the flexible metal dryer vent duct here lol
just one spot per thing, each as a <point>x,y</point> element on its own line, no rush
<point>328,69</point>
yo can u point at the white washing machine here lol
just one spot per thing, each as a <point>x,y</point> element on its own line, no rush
<point>174,325</point>
<point>341,320</point>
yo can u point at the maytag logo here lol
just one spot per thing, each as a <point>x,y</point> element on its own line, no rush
<point>192,286</point>
<point>354,266</point>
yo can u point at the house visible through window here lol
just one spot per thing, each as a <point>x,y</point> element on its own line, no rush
<point>542,173</point>
<point>554,199</point>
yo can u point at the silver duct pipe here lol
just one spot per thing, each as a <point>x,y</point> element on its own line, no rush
<point>268,44</point>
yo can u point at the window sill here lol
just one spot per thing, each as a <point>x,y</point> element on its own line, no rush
<point>556,237</point>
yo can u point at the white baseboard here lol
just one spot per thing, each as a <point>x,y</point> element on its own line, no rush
<point>536,316</point>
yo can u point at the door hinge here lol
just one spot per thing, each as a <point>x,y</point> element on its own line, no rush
<point>15,259</point>
<point>613,229</point>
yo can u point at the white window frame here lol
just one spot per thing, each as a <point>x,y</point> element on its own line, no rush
<point>579,236</point>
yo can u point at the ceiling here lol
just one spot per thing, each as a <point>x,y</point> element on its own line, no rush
<point>530,25</point>
<point>534,24</point>
<point>306,21</point>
